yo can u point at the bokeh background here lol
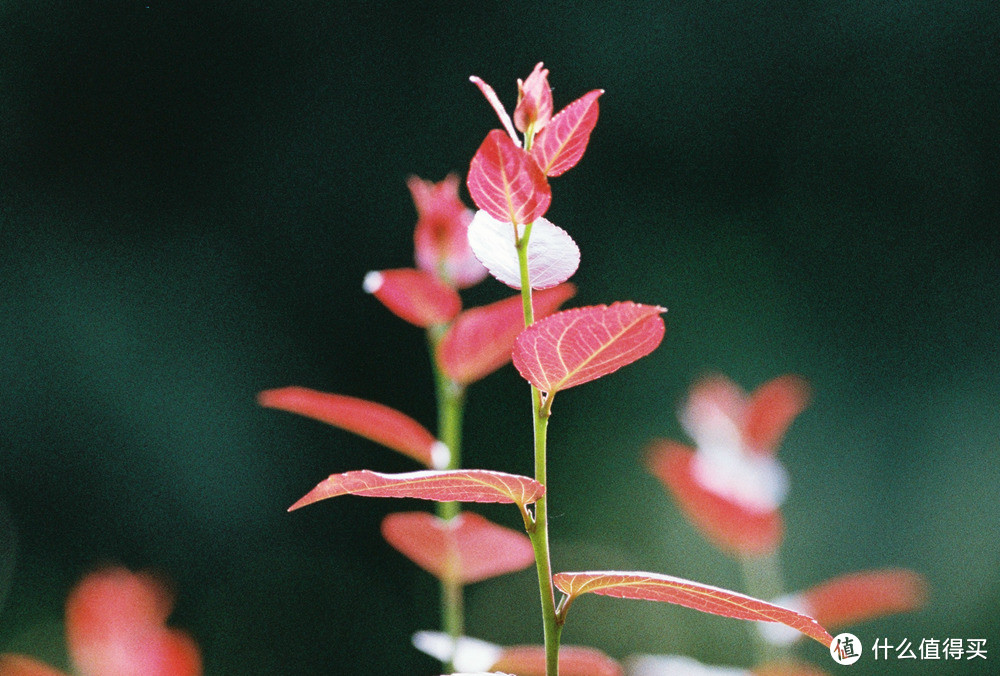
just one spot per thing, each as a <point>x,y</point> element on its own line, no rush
<point>191,193</point>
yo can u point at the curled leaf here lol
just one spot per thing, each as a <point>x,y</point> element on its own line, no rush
<point>494,101</point>
<point>576,346</point>
<point>553,256</point>
<point>368,419</point>
<point>460,485</point>
<point>465,549</point>
<point>561,144</point>
<point>414,295</point>
<point>506,183</point>
<point>480,339</point>
<point>695,595</point>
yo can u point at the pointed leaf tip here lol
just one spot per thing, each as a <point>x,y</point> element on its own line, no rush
<point>561,144</point>
<point>466,485</point>
<point>695,595</point>
<point>576,346</point>
<point>367,419</point>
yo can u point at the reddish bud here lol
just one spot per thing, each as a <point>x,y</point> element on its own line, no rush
<point>440,240</point>
<point>534,100</point>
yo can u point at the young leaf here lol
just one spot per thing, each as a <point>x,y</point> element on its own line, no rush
<point>465,549</point>
<point>460,485</point>
<point>553,256</point>
<point>480,339</point>
<point>770,410</point>
<point>858,597</point>
<point>579,345</point>
<point>506,183</point>
<point>561,144</point>
<point>730,526</point>
<point>494,101</point>
<point>706,598</point>
<point>529,660</point>
<point>440,241</point>
<point>375,422</point>
<point>414,295</point>
<point>534,100</point>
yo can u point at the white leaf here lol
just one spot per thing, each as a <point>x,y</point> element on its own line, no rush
<point>553,256</point>
<point>467,654</point>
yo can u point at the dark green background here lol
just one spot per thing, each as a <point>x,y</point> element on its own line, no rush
<point>191,193</point>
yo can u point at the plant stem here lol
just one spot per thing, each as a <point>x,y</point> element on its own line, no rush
<point>450,409</point>
<point>539,531</point>
<point>763,580</point>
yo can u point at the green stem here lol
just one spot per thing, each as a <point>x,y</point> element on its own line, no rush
<point>450,408</point>
<point>539,530</point>
<point>763,580</point>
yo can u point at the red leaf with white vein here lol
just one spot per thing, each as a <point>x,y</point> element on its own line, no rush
<point>553,256</point>
<point>529,660</point>
<point>579,345</point>
<point>465,549</point>
<point>506,183</point>
<point>414,295</point>
<point>562,142</point>
<point>373,421</point>
<point>460,485</point>
<point>703,597</point>
<point>481,339</point>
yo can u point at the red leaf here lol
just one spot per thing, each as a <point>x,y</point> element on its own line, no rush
<point>579,345</point>
<point>465,549</point>
<point>770,410</point>
<point>481,339</point>
<point>21,665</point>
<point>529,660</point>
<point>460,485</point>
<point>706,598</point>
<point>534,105</point>
<point>728,525</point>
<point>562,142</point>
<point>506,183</point>
<point>376,422</point>
<point>858,597</point>
<point>494,101</point>
<point>439,240</point>
<point>414,295</point>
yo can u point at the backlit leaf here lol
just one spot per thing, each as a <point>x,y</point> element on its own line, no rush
<point>373,421</point>
<point>553,256</point>
<point>579,345</point>
<point>668,589</point>
<point>494,101</point>
<point>506,183</point>
<point>460,485</point>
<point>729,525</point>
<point>562,142</point>
<point>414,295</point>
<point>465,549</point>
<point>770,410</point>
<point>857,597</point>
<point>480,339</point>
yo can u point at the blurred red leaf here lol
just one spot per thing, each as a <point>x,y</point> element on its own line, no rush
<point>465,549</point>
<point>480,339</point>
<point>857,597</point>
<point>414,295</point>
<point>440,239</point>
<point>576,346</point>
<point>373,421</point>
<point>529,660</point>
<point>506,183</point>
<point>770,410</point>
<point>461,485</point>
<point>730,526</point>
<point>115,627</point>
<point>706,598</point>
<point>20,665</point>
<point>562,142</point>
